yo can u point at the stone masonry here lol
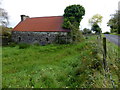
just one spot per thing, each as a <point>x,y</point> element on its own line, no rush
<point>41,38</point>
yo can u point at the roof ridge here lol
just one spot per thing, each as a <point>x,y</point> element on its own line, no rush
<point>46,17</point>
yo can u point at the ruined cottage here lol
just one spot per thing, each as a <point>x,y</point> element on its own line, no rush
<point>41,30</point>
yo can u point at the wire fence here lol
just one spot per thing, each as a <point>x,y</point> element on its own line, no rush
<point>103,50</point>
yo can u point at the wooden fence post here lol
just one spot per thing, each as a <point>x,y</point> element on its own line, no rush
<point>104,52</point>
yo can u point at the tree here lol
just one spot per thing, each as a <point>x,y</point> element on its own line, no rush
<point>106,32</point>
<point>94,22</point>
<point>73,13</point>
<point>96,19</point>
<point>86,31</point>
<point>96,28</point>
<point>72,18</point>
<point>4,22</point>
<point>3,17</point>
<point>6,32</point>
<point>114,23</point>
<point>119,20</point>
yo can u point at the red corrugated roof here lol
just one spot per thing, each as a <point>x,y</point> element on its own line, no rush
<point>42,24</point>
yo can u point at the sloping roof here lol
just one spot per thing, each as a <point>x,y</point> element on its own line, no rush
<point>42,24</point>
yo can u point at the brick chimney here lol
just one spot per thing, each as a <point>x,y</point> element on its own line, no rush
<point>23,17</point>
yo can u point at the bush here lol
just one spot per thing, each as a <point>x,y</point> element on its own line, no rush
<point>106,33</point>
<point>6,41</point>
<point>23,45</point>
<point>12,44</point>
<point>36,43</point>
<point>96,64</point>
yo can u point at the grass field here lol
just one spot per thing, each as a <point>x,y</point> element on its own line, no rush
<point>55,66</point>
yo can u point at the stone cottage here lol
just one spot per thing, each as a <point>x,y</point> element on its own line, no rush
<point>41,30</point>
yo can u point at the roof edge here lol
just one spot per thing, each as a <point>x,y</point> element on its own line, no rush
<point>47,16</point>
<point>41,31</point>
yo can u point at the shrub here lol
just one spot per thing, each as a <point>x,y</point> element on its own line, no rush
<point>106,33</point>
<point>36,43</point>
<point>96,64</point>
<point>12,44</point>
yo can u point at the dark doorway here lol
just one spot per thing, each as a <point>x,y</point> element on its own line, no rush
<point>47,39</point>
<point>19,39</point>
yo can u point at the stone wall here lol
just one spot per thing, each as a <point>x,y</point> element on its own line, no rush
<point>41,38</point>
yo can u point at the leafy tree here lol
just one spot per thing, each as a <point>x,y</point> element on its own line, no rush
<point>96,19</point>
<point>114,23</point>
<point>72,18</point>
<point>3,17</point>
<point>73,13</point>
<point>119,20</point>
<point>106,32</point>
<point>6,32</point>
<point>6,35</point>
<point>94,22</point>
<point>75,33</point>
<point>86,31</point>
<point>96,28</point>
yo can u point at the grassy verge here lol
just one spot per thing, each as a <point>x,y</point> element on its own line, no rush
<point>54,66</point>
<point>115,34</point>
<point>113,61</point>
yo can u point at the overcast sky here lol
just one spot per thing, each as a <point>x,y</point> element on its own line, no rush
<point>40,8</point>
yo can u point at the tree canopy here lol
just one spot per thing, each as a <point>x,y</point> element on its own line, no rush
<point>3,17</point>
<point>72,18</point>
<point>73,13</point>
<point>96,19</point>
<point>86,31</point>
<point>94,22</point>
<point>114,23</point>
<point>96,28</point>
<point>6,32</point>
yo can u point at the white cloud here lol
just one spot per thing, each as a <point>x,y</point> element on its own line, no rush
<point>38,8</point>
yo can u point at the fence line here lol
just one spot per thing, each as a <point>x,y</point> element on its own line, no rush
<point>103,49</point>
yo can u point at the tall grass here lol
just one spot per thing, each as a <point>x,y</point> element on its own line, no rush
<point>53,66</point>
<point>113,61</point>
